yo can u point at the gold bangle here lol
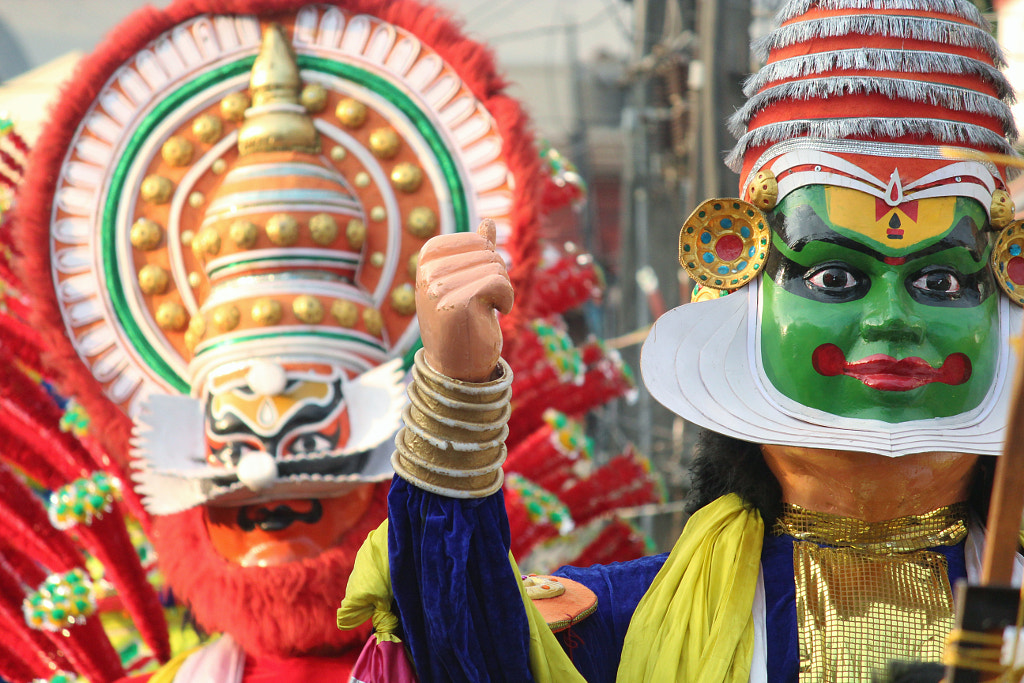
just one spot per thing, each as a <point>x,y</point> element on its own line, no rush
<point>453,442</point>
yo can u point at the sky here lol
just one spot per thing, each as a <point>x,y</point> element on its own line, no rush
<point>522,31</point>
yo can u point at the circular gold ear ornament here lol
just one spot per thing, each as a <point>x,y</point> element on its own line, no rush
<point>1008,261</point>
<point>1002,210</point>
<point>724,243</point>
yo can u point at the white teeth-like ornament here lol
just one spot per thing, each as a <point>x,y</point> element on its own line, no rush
<point>266,378</point>
<point>257,470</point>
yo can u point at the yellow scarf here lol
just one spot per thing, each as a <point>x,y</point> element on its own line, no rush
<point>694,623</point>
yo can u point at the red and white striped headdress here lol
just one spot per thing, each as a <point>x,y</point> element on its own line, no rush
<point>865,93</point>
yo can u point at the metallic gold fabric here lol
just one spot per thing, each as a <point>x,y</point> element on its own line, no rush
<point>873,593</point>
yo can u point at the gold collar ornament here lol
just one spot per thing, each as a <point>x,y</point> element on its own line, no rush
<point>870,593</point>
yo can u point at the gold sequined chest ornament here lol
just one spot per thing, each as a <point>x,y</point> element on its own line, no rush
<point>870,593</point>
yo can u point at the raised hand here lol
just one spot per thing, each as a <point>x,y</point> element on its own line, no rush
<point>460,283</point>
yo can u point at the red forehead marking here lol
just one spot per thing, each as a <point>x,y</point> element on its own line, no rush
<point>894,260</point>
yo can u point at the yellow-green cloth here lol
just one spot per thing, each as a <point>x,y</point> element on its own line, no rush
<point>695,623</point>
<point>368,594</point>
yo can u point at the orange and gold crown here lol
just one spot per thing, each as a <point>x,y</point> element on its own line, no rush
<point>253,187</point>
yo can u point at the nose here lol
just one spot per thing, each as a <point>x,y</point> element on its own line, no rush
<point>257,470</point>
<point>890,316</point>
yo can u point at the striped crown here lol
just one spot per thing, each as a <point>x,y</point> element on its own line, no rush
<point>865,89</point>
<point>281,242</point>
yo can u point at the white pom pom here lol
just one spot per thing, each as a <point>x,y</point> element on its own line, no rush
<point>266,378</point>
<point>257,470</point>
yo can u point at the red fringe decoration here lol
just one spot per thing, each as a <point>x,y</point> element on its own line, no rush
<point>11,162</point>
<point>625,481</point>
<point>20,342</point>
<point>13,667</point>
<point>107,539</point>
<point>526,534</point>
<point>27,527</point>
<point>86,648</point>
<point>603,381</point>
<point>281,611</point>
<point>567,279</point>
<point>18,141</point>
<point>30,415</point>
<point>617,542</point>
<point>538,459</point>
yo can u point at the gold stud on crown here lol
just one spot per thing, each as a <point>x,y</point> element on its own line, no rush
<point>422,222</point>
<point>207,128</point>
<point>407,177</point>
<point>313,98</point>
<point>146,234</point>
<point>283,229</point>
<point>266,312</point>
<point>206,243</point>
<point>323,228</point>
<point>177,151</point>
<point>243,233</point>
<point>351,113</point>
<point>194,333</point>
<point>1002,211</point>
<point>355,233</point>
<point>226,317</point>
<point>403,299</point>
<point>171,316</point>
<point>384,143</point>
<point>373,321</point>
<point>345,313</point>
<point>153,279</point>
<point>308,309</point>
<point>156,189</point>
<point>233,106</point>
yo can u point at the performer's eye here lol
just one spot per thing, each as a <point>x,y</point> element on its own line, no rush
<point>230,454</point>
<point>304,444</point>
<point>834,281</point>
<point>940,283</point>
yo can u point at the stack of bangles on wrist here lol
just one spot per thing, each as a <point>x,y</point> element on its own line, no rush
<point>453,442</point>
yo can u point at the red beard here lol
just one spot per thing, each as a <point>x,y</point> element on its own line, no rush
<point>282,611</point>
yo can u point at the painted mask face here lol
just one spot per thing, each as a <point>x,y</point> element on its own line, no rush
<point>879,312</point>
<point>295,413</point>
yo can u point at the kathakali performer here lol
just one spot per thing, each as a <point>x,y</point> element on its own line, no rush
<point>229,202</point>
<point>848,355</point>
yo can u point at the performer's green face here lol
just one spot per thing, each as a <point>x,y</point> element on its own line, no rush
<point>877,312</point>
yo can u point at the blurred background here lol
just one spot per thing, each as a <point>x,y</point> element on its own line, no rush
<point>635,94</point>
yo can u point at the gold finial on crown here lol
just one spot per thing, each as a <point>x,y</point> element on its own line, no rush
<point>276,122</point>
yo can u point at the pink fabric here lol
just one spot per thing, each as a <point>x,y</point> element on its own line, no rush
<point>382,663</point>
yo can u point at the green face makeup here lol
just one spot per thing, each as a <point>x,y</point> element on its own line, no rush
<point>878,312</point>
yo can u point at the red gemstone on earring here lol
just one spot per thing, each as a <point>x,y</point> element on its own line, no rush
<point>728,247</point>
<point>1015,270</point>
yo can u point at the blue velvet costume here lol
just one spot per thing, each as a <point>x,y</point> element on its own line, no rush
<point>461,612</point>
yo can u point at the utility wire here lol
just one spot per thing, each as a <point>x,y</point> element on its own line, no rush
<point>612,11</point>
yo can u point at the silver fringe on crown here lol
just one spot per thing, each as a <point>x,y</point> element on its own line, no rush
<point>877,59</point>
<point>957,8</point>
<point>946,96</point>
<point>952,132</point>
<point>914,28</point>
